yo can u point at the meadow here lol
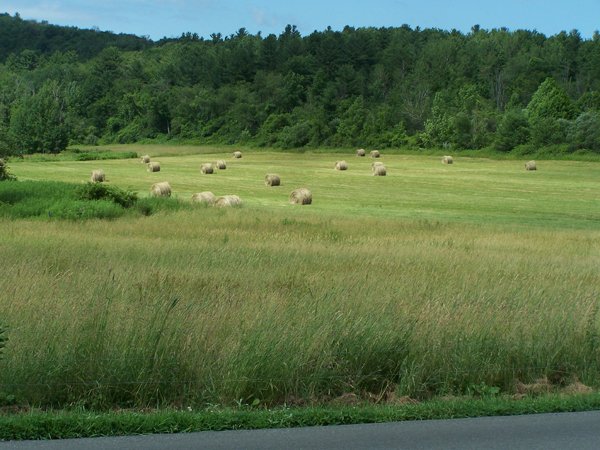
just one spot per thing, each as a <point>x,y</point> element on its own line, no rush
<point>475,278</point>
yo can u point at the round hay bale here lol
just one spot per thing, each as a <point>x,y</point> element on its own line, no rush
<point>237,154</point>
<point>162,189</point>
<point>379,170</point>
<point>206,197</point>
<point>98,176</point>
<point>272,180</point>
<point>220,164</point>
<point>375,154</point>
<point>207,168</point>
<point>301,196</point>
<point>228,200</point>
<point>341,165</point>
<point>530,165</point>
<point>361,152</point>
<point>145,159</point>
<point>447,160</point>
<point>154,167</point>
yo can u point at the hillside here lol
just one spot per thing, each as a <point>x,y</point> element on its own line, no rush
<point>17,35</point>
<point>497,90</point>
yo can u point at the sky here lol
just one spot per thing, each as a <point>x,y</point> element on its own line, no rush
<point>170,18</point>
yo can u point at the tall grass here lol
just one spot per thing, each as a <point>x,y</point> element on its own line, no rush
<point>226,306</point>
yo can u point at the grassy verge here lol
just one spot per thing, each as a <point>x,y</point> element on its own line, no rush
<point>75,424</point>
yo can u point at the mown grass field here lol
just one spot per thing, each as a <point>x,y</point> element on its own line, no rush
<point>434,280</point>
<point>561,194</point>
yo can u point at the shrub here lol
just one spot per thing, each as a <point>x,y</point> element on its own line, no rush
<point>295,136</point>
<point>4,173</point>
<point>98,191</point>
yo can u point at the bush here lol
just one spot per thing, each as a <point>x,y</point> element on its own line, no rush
<point>99,191</point>
<point>295,136</point>
<point>4,173</point>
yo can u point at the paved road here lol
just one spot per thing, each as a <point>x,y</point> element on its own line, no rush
<point>563,431</point>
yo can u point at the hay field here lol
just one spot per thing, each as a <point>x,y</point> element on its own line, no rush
<point>434,280</point>
<point>478,191</point>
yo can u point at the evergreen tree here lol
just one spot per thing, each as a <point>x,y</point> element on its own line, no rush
<point>549,109</point>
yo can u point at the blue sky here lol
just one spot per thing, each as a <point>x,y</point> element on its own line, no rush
<point>158,18</point>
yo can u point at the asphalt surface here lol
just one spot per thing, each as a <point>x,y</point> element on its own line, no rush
<point>563,431</point>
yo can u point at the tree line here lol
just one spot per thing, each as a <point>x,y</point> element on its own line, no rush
<point>369,87</point>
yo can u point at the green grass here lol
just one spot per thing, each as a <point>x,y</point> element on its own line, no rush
<point>60,200</point>
<point>434,280</point>
<point>561,194</point>
<point>78,424</point>
<point>52,200</point>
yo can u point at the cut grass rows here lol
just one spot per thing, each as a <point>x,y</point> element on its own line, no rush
<point>559,194</point>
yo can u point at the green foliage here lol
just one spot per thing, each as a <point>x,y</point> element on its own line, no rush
<point>99,156</point>
<point>585,132</point>
<point>438,129</point>
<point>368,87</point>
<point>271,128</point>
<point>55,200</point>
<point>295,136</point>
<point>548,112</point>
<point>40,38</point>
<point>352,121</point>
<point>5,175</point>
<point>513,130</point>
<point>82,155</point>
<point>102,191</point>
<point>547,131</point>
<point>589,101</point>
<point>74,423</point>
<point>550,101</point>
<point>37,123</point>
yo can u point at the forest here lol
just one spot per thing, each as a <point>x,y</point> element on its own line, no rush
<point>504,90</point>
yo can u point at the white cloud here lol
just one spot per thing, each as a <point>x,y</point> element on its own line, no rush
<point>262,18</point>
